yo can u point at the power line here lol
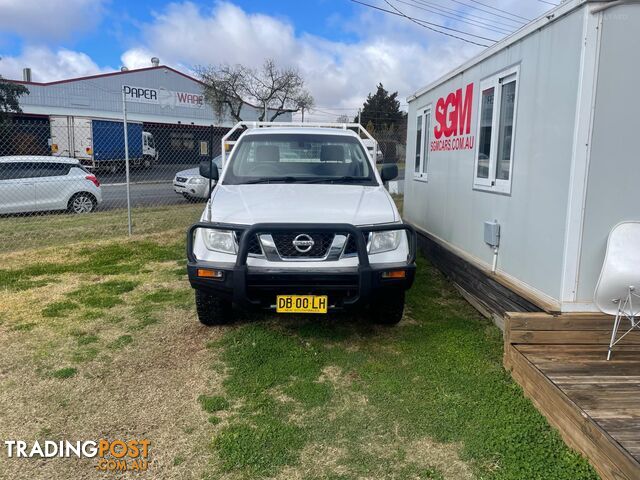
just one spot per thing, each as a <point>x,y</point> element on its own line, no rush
<point>421,22</point>
<point>548,3</point>
<point>489,12</point>
<point>457,17</point>
<point>501,10</point>
<point>494,21</point>
<point>418,22</point>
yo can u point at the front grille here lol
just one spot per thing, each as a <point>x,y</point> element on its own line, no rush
<point>351,248</point>
<point>181,180</point>
<point>254,244</point>
<point>286,248</point>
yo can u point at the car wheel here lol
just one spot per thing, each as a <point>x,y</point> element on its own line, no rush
<point>387,308</point>
<point>213,310</point>
<point>189,198</point>
<point>82,203</point>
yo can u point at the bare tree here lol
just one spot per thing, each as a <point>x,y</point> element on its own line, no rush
<point>343,119</point>
<point>271,90</point>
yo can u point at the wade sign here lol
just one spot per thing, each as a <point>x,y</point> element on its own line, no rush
<point>452,130</point>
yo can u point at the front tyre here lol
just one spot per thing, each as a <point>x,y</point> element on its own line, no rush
<point>387,308</point>
<point>82,203</point>
<point>213,310</point>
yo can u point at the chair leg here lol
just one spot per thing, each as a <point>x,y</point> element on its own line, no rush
<point>616,324</point>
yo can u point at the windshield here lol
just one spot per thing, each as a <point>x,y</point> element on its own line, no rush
<point>299,158</point>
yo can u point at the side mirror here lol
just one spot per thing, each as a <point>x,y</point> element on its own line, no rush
<point>388,172</point>
<point>207,172</point>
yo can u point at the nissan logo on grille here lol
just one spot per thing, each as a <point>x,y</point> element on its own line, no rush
<point>303,243</point>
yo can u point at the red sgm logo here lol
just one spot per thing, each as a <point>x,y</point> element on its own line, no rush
<point>453,121</point>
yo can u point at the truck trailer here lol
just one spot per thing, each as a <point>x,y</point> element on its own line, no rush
<point>99,144</point>
<point>522,160</point>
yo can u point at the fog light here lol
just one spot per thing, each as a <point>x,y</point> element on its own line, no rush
<point>217,274</point>
<point>394,274</point>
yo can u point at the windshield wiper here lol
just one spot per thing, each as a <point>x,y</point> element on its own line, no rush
<point>343,179</point>
<point>271,180</point>
<point>290,179</point>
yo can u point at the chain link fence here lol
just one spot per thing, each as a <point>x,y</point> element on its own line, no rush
<point>62,174</point>
<point>64,178</point>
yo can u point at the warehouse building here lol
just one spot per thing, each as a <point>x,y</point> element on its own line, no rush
<point>522,160</point>
<point>169,105</point>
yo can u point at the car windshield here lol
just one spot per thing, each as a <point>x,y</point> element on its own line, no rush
<point>299,158</point>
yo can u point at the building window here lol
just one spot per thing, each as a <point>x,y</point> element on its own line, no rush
<point>182,141</point>
<point>496,124</point>
<point>423,128</point>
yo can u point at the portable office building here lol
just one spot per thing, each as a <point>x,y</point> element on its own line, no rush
<point>521,161</point>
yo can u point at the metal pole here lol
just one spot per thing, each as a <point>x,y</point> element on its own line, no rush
<point>126,160</point>
<point>211,167</point>
<point>302,114</point>
<point>359,115</point>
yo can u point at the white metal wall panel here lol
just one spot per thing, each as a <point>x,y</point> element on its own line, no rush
<point>533,216</point>
<point>614,168</point>
<point>101,97</point>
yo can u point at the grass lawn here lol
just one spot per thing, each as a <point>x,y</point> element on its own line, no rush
<point>101,339</point>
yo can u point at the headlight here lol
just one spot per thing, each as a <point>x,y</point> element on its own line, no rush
<point>198,181</point>
<point>380,242</point>
<point>223,241</point>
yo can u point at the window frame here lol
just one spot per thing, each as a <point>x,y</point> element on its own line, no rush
<point>497,81</point>
<point>421,173</point>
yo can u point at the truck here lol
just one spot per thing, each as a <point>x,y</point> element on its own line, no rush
<point>299,221</point>
<point>99,144</point>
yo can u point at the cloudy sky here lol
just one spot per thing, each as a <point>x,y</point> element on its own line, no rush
<point>342,48</point>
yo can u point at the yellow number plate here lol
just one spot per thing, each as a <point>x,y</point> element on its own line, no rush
<point>301,304</point>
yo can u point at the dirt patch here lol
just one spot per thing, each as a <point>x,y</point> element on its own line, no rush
<point>147,392</point>
<point>444,457</point>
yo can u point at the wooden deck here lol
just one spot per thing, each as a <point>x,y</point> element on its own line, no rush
<point>560,361</point>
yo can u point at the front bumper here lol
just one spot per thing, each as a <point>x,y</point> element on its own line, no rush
<point>257,287</point>
<point>197,190</point>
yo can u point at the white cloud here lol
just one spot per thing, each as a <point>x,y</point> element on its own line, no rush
<point>388,49</point>
<point>48,65</point>
<point>393,51</point>
<point>49,19</point>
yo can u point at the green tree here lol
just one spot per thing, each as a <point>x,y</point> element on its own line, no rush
<point>381,109</point>
<point>386,122</point>
<point>9,94</point>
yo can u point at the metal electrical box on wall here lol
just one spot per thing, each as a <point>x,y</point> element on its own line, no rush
<point>492,233</point>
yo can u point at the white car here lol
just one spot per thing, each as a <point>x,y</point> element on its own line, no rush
<point>41,183</point>
<point>193,186</point>
<point>300,222</point>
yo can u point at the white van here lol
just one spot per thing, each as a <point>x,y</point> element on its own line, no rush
<point>41,183</point>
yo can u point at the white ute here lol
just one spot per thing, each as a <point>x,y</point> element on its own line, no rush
<point>299,222</point>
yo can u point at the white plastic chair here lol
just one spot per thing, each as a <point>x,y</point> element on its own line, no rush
<point>617,291</point>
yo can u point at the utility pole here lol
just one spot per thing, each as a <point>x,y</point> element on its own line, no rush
<point>302,114</point>
<point>359,115</point>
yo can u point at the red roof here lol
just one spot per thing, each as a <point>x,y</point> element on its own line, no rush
<point>100,75</point>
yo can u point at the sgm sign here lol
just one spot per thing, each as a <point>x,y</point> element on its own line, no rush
<point>163,97</point>
<point>453,121</point>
